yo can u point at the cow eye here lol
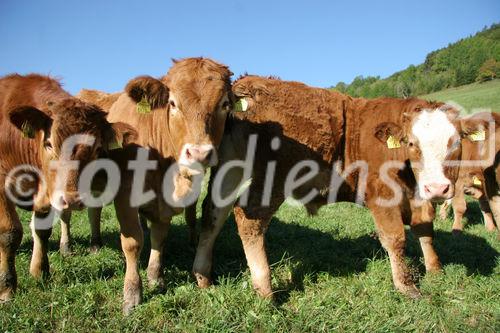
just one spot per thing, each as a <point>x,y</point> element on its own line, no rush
<point>171,103</point>
<point>226,105</point>
<point>47,145</point>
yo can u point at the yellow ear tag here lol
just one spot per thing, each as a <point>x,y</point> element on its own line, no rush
<point>477,136</point>
<point>393,143</point>
<point>114,145</point>
<point>28,131</point>
<point>143,106</point>
<point>241,105</point>
<point>476,181</point>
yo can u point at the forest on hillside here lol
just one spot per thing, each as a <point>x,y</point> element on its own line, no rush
<point>472,59</point>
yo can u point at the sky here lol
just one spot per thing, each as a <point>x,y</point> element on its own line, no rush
<point>101,44</point>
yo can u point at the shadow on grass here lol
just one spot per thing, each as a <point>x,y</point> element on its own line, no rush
<point>307,252</point>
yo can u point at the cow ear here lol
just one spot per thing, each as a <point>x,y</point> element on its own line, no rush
<point>390,134</point>
<point>29,120</point>
<point>119,135</point>
<point>148,89</point>
<point>451,112</point>
<point>473,129</point>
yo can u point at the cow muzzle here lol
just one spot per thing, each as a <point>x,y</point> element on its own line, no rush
<point>437,191</point>
<point>204,155</point>
<point>67,200</point>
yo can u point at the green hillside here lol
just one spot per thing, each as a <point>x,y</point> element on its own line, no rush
<point>472,59</point>
<point>471,96</point>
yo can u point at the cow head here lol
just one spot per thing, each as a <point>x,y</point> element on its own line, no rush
<point>71,131</point>
<point>431,136</point>
<point>197,93</point>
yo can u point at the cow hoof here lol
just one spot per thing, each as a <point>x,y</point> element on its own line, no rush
<point>64,249</point>
<point>38,272</point>
<point>94,248</point>
<point>128,308</point>
<point>491,227</point>
<point>6,295</point>
<point>130,303</point>
<point>203,281</point>
<point>412,292</point>
<point>266,294</point>
<point>156,284</point>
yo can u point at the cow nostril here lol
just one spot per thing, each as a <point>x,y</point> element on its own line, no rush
<point>63,202</point>
<point>188,153</point>
<point>427,189</point>
<point>446,189</point>
<point>208,157</point>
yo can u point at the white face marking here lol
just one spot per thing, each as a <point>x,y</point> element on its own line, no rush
<point>433,130</point>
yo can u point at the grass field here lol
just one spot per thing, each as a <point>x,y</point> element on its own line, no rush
<point>329,272</point>
<point>473,96</point>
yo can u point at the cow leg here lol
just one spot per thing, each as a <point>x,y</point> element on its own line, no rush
<point>65,241</point>
<point>492,188</point>
<point>158,234</point>
<point>213,220</point>
<point>190,216</point>
<point>489,222</point>
<point>252,234</point>
<point>39,266</point>
<point>391,232</point>
<point>422,228</point>
<point>443,209</point>
<point>11,233</point>
<point>94,215</point>
<point>132,240</point>
<point>459,207</point>
<point>494,203</point>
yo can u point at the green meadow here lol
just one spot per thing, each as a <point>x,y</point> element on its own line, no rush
<point>330,274</point>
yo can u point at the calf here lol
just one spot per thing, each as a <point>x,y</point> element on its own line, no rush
<point>478,176</point>
<point>349,142</point>
<point>185,127</point>
<point>38,119</point>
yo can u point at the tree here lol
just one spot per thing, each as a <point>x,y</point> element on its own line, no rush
<point>488,71</point>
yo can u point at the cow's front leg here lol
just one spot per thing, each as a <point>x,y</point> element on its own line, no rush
<point>158,234</point>
<point>65,241</point>
<point>190,216</point>
<point>132,240</point>
<point>489,222</point>
<point>41,229</point>
<point>213,219</point>
<point>252,234</point>
<point>94,215</point>
<point>422,228</point>
<point>11,233</point>
<point>391,232</point>
<point>459,207</point>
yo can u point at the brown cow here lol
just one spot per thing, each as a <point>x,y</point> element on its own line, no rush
<point>37,119</point>
<point>186,124</point>
<point>340,135</point>
<point>104,101</point>
<point>480,179</point>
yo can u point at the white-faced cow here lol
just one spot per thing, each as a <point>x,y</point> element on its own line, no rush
<point>479,175</point>
<point>393,155</point>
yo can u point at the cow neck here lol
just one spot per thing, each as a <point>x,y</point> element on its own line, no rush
<point>162,142</point>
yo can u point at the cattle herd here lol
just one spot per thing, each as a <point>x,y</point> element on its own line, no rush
<point>264,140</point>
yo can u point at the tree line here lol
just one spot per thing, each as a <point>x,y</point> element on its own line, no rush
<point>472,59</point>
